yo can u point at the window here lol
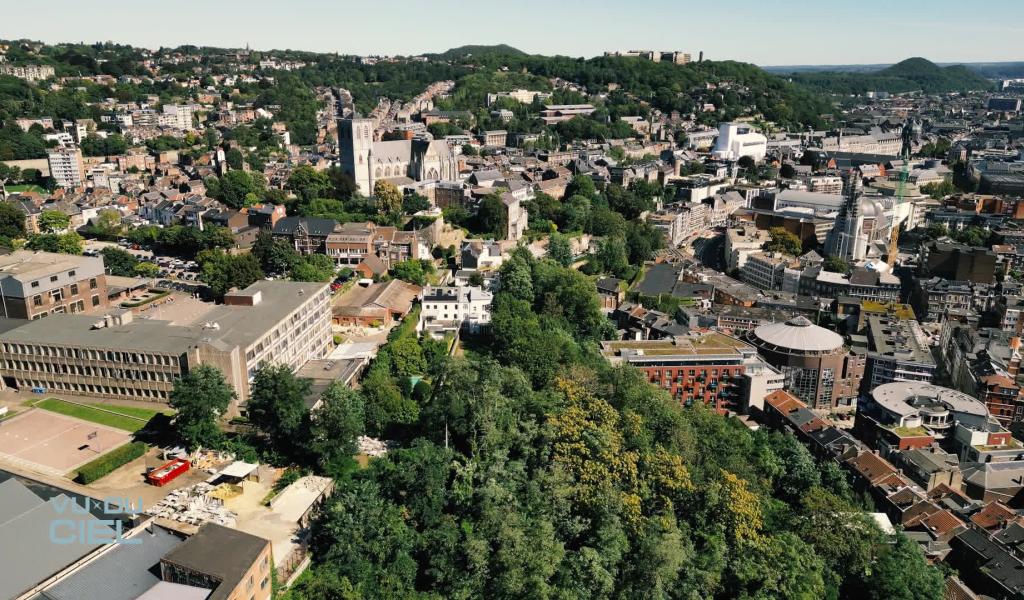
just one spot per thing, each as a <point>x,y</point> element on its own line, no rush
<point>71,273</point>
<point>53,278</point>
<point>95,300</point>
<point>92,283</point>
<point>74,289</point>
<point>35,284</point>
<point>37,300</point>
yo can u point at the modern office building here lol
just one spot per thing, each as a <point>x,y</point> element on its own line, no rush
<point>118,357</point>
<point>819,368</point>
<point>37,284</point>
<point>913,414</point>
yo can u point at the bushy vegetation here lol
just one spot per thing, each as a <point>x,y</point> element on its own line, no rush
<point>110,462</point>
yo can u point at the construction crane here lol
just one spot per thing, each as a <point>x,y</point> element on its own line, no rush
<point>910,129</point>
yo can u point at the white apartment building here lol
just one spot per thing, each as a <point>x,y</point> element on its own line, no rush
<point>452,308</point>
<point>178,116</point>
<point>66,166</point>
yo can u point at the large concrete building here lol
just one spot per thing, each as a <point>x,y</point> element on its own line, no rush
<point>118,357</point>
<point>66,166</point>
<point>819,369</point>
<point>34,285</point>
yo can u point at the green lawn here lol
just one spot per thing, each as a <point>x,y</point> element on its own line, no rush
<point>127,418</point>
<point>26,188</point>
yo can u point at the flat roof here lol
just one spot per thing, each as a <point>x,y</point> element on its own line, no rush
<point>35,556</point>
<point>901,339</point>
<point>122,573</point>
<point>708,344</point>
<point>219,551</point>
<point>30,265</point>
<point>235,325</point>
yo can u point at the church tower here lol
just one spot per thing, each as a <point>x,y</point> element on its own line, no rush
<point>355,141</point>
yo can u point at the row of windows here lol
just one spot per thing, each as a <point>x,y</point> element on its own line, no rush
<point>86,371</point>
<point>89,354</point>
<point>100,390</point>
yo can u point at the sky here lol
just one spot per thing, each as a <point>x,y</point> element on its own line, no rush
<point>764,32</point>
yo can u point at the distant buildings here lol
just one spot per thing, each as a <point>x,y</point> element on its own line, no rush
<point>28,72</point>
<point>556,113</point>
<point>671,56</point>
<point>519,95</point>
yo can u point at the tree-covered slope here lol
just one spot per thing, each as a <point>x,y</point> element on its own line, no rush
<point>536,470</point>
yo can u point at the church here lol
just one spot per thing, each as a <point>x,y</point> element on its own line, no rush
<point>368,161</point>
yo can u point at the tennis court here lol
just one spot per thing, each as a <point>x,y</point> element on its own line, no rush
<point>55,443</point>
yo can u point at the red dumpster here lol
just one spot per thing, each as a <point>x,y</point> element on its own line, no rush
<point>168,472</point>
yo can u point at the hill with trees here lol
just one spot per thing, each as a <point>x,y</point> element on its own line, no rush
<point>910,75</point>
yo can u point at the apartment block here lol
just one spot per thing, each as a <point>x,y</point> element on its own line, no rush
<point>34,285</point>
<point>66,166</point>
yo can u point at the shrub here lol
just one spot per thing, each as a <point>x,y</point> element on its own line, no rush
<point>110,461</point>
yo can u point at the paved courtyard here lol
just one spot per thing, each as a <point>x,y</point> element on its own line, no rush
<point>55,444</point>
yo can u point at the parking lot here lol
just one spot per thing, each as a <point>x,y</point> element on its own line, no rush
<point>55,444</point>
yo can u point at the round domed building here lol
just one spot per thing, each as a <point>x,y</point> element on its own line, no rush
<point>819,368</point>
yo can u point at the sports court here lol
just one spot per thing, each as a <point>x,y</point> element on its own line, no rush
<point>55,443</point>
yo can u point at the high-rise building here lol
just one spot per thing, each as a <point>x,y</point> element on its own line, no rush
<point>66,166</point>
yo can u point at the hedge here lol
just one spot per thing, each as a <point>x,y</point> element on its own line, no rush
<point>110,461</point>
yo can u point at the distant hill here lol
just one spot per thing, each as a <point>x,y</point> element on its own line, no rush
<point>913,74</point>
<point>477,51</point>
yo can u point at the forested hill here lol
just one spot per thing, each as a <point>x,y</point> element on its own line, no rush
<point>735,88</point>
<point>913,74</point>
<point>476,51</point>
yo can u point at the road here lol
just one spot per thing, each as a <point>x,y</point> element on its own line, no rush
<point>710,251</point>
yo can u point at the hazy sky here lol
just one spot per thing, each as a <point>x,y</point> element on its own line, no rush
<point>766,32</point>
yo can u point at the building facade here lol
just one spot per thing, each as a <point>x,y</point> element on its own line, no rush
<point>37,284</point>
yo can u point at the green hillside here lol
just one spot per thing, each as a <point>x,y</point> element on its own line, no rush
<point>913,74</point>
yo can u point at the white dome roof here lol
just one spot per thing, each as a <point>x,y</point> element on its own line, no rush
<point>799,333</point>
